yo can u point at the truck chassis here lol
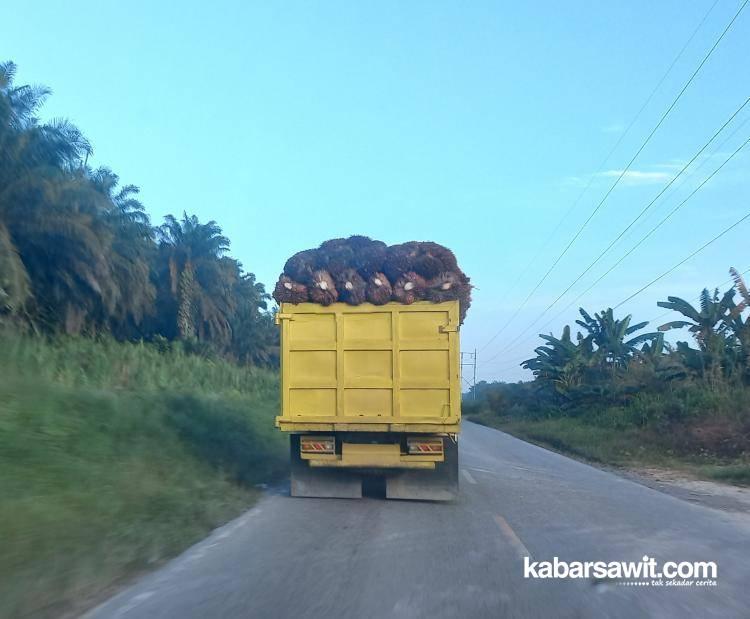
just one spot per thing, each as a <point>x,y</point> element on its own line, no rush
<point>341,474</point>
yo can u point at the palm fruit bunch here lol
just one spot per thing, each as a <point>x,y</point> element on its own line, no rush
<point>358,269</point>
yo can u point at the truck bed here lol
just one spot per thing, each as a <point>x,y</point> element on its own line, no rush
<point>389,368</point>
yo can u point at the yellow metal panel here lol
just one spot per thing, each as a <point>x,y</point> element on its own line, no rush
<point>425,368</point>
<point>312,328</point>
<point>312,402</point>
<point>401,464</point>
<point>367,326</point>
<point>359,455</point>
<point>368,402</point>
<point>436,426</point>
<point>365,368</point>
<point>424,325</point>
<point>355,454</point>
<point>372,368</point>
<point>312,368</point>
<point>425,402</point>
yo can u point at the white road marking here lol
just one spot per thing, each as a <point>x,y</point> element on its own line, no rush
<point>475,468</point>
<point>520,468</point>
<point>511,536</point>
<point>468,477</point>
<point>134,603</point>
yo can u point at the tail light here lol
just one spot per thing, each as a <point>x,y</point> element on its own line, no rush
<point>424,446</point>
<point>317,445</point>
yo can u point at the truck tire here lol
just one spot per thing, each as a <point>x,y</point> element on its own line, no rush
<point>440,484</point>
<point>307,481</point>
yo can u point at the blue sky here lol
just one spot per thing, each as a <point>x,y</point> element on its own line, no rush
<point>473,124</point>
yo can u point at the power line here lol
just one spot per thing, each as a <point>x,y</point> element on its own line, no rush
<point>650,320</point>
<point>720,286</point>
<point>683,261</point>
<point>630,251</point>
<point>600,167</point>
<point>627,167</point>
<point>659,225</point>
<point>700,167</point>
<point>648,206</point>
<point>702,164</point>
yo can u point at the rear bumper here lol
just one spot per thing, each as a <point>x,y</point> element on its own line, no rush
<point>447,425</point>
<point>377,455</point>
<point>374,450</point>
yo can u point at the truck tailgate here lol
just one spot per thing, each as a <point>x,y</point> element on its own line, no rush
<point>383,368</point>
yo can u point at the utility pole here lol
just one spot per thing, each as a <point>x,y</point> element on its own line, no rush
<point>469,359</point>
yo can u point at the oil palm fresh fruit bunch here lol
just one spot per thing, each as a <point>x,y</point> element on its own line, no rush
<point>379,290</point>
<point>432,259</point>
<point>464,297</point>
<point>369,255</point>
<point>443,287</point>
<point>289,291</point>
<point>351,287</point>
<point>399,259</point>
<point>424,258</point>
<point>449,286</point>
<point>358,269</point>
<point>410,287</point>
<point>335,256</point>
<point>301,266</point>
<point>323,289</point>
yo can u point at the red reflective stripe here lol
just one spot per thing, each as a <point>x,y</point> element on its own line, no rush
<point>311,446</point>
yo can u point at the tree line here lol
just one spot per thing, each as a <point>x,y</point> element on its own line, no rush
<point>610,359</point>
<point>80,256</point>
<point>616,391</point>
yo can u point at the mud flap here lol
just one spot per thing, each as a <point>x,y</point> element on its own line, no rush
<point>440,484</point>
<point>321,482</point>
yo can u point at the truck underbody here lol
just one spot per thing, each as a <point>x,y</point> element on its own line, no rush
<point>416,467</point>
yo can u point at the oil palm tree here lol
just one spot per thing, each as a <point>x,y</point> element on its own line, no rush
<point>255,338</point>
<point>133,249</point>
<point>14,280</point>
<point>200,280</point>
<point>47,213</point>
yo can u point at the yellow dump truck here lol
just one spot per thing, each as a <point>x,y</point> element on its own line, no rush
<point>371,391</point>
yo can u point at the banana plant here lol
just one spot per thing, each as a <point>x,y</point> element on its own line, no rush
<point>711,326</point>
<point>736,324</point>
<point>705,323</point>
<point>614,349</point>
<point>560,362</point>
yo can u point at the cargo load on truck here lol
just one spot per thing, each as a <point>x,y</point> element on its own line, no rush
<point>370,368</point>
<point>359,270</point>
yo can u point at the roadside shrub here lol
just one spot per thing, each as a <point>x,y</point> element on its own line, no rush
<point>229,435</point>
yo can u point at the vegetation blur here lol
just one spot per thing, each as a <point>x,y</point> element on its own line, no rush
<point>619,393</point>
<point>79,255</point>
<point>116,456</point>
<point>137,380</point>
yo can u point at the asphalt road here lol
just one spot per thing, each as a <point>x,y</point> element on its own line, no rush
<point>368,558</point>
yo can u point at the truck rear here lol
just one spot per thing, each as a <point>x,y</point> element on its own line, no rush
<point>371,390</point>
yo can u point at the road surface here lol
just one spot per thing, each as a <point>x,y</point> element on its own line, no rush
<point>372,558</point>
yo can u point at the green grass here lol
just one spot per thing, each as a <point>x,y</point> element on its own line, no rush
<point>732,473</point>
<point>597,444</point>
<point>114,457</point>
<point>698,447</point>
